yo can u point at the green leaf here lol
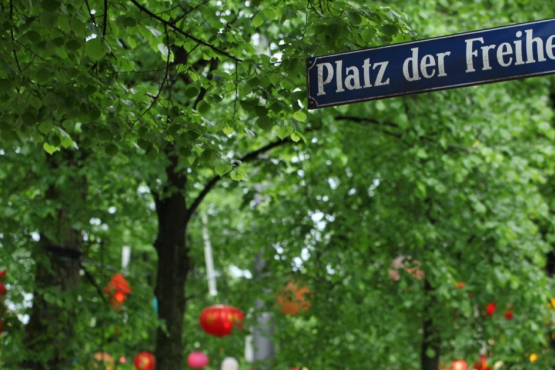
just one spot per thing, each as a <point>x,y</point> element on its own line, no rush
<point>228,130</point>
<point>203,107</point>
<point>78,27</point>
<point>295,137</point>
<point>192,91</point>
<point>300,116</point>
<point>152,154</point>
<point>389,29</point>
<point>238,174</point>
<point>283,132</point>
<point>46,126</point>
<point>73,45</point>
<point>129,22</point>
<point>50,149</point>
<point>354,18</point>
<point>258,20</point>
<point>50,5</point>
<point>95,49</point>
<point>111,150</point>
<point>206,155</point>
<point>33,36</point>
<point>222,169</point>
<point>269,13</point>
<point>368,34</point>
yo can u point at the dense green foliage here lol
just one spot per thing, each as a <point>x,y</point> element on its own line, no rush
<point>104,104</point>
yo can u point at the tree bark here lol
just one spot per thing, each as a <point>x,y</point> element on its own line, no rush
<point>51,328</point>
<point>431,341</point>
<point>173,267</point>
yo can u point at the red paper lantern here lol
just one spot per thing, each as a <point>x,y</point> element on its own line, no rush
<point>3,290</point>
<point>219,320</point>
<point>144,361</point>
<point>118,288</point>
<point>3,273</point>
<point>459,365</point>
<point>490,309</point>
<point>459,285</point>
<point>508,315</point>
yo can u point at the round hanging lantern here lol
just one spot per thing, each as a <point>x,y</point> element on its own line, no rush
<point>106,359</point>
<point>229,363</point>
<point>197,360</point>
<point>459,365</point>
<point>509,315</point>
<point>3,290</point>
<point>219,320</point>
<point>144,361</point>
<point>3,273</point>
<point>490,309</point>
<point>292,299</point>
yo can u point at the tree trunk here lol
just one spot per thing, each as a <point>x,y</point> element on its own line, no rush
<point>431,342</point>
<point>51,328</point>
<point>173,267</point>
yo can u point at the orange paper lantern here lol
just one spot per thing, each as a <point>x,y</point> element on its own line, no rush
<point>292,299</point>
<point>144,361</point>
<point>219,320</point>
<point>118,289</point>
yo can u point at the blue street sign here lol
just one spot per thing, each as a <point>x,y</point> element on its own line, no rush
<point>497,54</point>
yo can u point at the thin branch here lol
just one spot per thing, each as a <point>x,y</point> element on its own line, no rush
<point>246,158</point>
<point>93,282</point>
<point>186,12</point>
<point>13,39</point>
<point>166,75</point>
<point>180,31</point>
<point>236,91</point>
<point>209,76</point>
<point>93,19</point>
<point>105,18</point>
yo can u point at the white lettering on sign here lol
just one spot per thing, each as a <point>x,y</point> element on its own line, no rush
<point>505,55</point>
<point>410,66</point>
<point>352,80</point>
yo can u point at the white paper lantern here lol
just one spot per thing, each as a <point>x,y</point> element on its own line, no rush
<point>229,363</point>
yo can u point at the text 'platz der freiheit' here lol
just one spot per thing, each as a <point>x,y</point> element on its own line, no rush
<point>480,55</point>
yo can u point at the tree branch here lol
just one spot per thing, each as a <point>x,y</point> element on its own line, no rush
<point>246,158</point>
<point>180,31</point>
<point>105,20</point>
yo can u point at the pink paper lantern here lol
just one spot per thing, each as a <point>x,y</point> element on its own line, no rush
<point>197,360</point>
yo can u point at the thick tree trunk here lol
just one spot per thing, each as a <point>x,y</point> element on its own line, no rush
<point>51,328</point>
<point>431,342</point>
<point>173,267</point>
